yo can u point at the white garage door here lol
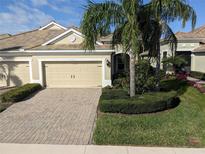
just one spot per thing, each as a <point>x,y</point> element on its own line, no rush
<point>17,73</point>
<point>72,74</point>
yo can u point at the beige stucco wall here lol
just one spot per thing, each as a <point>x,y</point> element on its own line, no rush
<point>187,46</point>
<point>42,56</point>
<point>198,62</point>
<point>54,27</point>
<point>70,39</point>
<point>180,47</point>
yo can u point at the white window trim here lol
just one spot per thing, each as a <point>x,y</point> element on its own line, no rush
<point>29,60</point>
<point>63,34</point>
<point>103,60</point>
<point>52,23</point>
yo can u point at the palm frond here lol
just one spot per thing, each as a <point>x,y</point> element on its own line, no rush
<point>168,36</point>
<point>98,19</point>
<point>171,10</point>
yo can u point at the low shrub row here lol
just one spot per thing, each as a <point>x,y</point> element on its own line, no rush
<point>20,93</point>
<point>172,84</point>
<point>197,75</point>
<point>146,103</point>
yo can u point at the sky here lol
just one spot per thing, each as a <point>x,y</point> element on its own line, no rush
<point>23,15</point>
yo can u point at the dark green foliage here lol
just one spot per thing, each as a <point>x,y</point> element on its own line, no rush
<point>122,83</point>
<point>145,80</point>
<point>173,84</point>
<point>20,93</point>
<point>175,62</point>
<point>117,101</point>
<point>108,94</point>
<point>121,80</point>
<point>197,75</point>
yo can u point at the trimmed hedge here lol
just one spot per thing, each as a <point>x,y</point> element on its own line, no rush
<point>172,85</point>
<point>147,103</point>
<point>197,75</point>
<point>20,93</point>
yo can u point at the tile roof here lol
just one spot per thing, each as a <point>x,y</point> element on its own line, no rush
<point>107,38</point>
<point>32,40</point>
<point>28,40</point>
<point>197,33</point>
<point>2,36</point>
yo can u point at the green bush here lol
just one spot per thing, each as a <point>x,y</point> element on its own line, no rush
<point>20,93</point>
<point>197,75</point>
<point>121,80</point>
<point>147,103</point>
<point>122,83</point>
<point>145,77</point>
<point>108,93</point>
<point>173,84</point>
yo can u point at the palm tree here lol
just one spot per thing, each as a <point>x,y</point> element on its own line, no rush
<point>120,15</point>
<point>166,11</point>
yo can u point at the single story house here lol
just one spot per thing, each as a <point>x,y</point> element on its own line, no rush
<point>191,45</point>
<point>53,56</point>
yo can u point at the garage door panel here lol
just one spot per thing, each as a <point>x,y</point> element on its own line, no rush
<point>72,74</point>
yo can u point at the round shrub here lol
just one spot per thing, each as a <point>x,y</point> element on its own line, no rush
<point>147,103</point>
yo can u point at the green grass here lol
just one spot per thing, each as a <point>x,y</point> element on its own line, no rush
<point>169,128</point>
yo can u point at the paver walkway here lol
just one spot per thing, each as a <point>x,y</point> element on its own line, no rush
<point>195,80</point>
<point>53,116</point>
<point>91,149</point>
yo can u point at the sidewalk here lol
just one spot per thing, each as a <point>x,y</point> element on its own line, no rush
<point>195,80</point>
<point>90,149</point>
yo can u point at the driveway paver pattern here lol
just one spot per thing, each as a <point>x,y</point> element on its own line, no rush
<point>52,116</point>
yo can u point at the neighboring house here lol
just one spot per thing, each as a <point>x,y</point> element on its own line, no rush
<point>191,46</point>
<point>53,56</point>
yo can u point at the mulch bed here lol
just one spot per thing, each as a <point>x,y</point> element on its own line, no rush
<point>198,86</point>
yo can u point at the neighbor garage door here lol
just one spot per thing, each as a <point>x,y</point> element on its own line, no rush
<point>17,73</point>
<point>72,74</point>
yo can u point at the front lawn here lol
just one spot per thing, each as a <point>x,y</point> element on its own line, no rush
<point>181,126</point>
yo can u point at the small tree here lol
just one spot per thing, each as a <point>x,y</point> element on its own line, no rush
<point>122,16</point>
<point>166,11</point>
<point>175,62</point>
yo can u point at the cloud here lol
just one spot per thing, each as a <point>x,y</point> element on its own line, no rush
<point>61,6</point>
<point>39,2</point>
<point>23,15</point>
<point>20,17</point>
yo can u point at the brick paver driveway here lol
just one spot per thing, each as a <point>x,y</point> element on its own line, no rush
<point>53,116</point>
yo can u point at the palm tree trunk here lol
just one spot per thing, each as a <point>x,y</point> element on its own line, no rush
<point>158,63</point>
<point>132,74</point>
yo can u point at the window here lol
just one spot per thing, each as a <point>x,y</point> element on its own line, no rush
<point>120,64</point>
